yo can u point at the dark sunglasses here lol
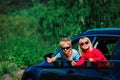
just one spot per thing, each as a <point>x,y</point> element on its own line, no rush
<point>63,48</point>
<point>84,43</point>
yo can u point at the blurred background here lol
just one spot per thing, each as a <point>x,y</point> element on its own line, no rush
<point>31,28</point>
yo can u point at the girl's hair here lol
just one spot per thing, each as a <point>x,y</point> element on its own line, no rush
<point>65,40</point>
<point>80,50</point>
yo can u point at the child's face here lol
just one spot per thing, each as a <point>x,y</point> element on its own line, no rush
<point>85,44</point>
<point>66,48</point>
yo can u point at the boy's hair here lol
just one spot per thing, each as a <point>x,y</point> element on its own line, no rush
<point>65,40</point>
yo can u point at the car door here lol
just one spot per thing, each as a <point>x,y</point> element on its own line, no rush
<point>116,61</point>
<point>110,47</point>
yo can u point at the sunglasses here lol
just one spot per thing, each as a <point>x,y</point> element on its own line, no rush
<point>82,44</point>
<point>63,48</point>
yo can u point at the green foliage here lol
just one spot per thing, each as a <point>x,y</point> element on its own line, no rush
<point>7,68</point>
<point>23,51</point>
<point>4,68</point>
<point>17,25</point>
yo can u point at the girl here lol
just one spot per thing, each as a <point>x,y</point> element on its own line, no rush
<point>89,53</point>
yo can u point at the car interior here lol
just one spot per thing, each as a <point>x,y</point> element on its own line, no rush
<point>102,46</point>
<point>117,50</point>
<point>107,45</point>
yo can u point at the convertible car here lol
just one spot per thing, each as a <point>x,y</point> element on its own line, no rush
<point>105,39</point>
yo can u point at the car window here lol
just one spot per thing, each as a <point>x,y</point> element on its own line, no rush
<point>117,49</point>
<point>106,45</point>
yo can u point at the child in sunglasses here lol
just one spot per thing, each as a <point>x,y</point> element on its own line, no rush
<point>66,53</point>
<point>89,53</point>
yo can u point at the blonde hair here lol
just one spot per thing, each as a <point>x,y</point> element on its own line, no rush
<point>65,40</point>
<point>80,50</point>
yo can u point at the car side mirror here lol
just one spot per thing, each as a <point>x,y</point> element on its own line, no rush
<point>48,55</point>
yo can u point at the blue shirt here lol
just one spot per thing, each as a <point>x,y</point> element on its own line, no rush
<point>75,55</point>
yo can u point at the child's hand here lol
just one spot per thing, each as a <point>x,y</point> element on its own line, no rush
<point>90,59</point>
<point>48,59</point>
<point>73,63</point>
